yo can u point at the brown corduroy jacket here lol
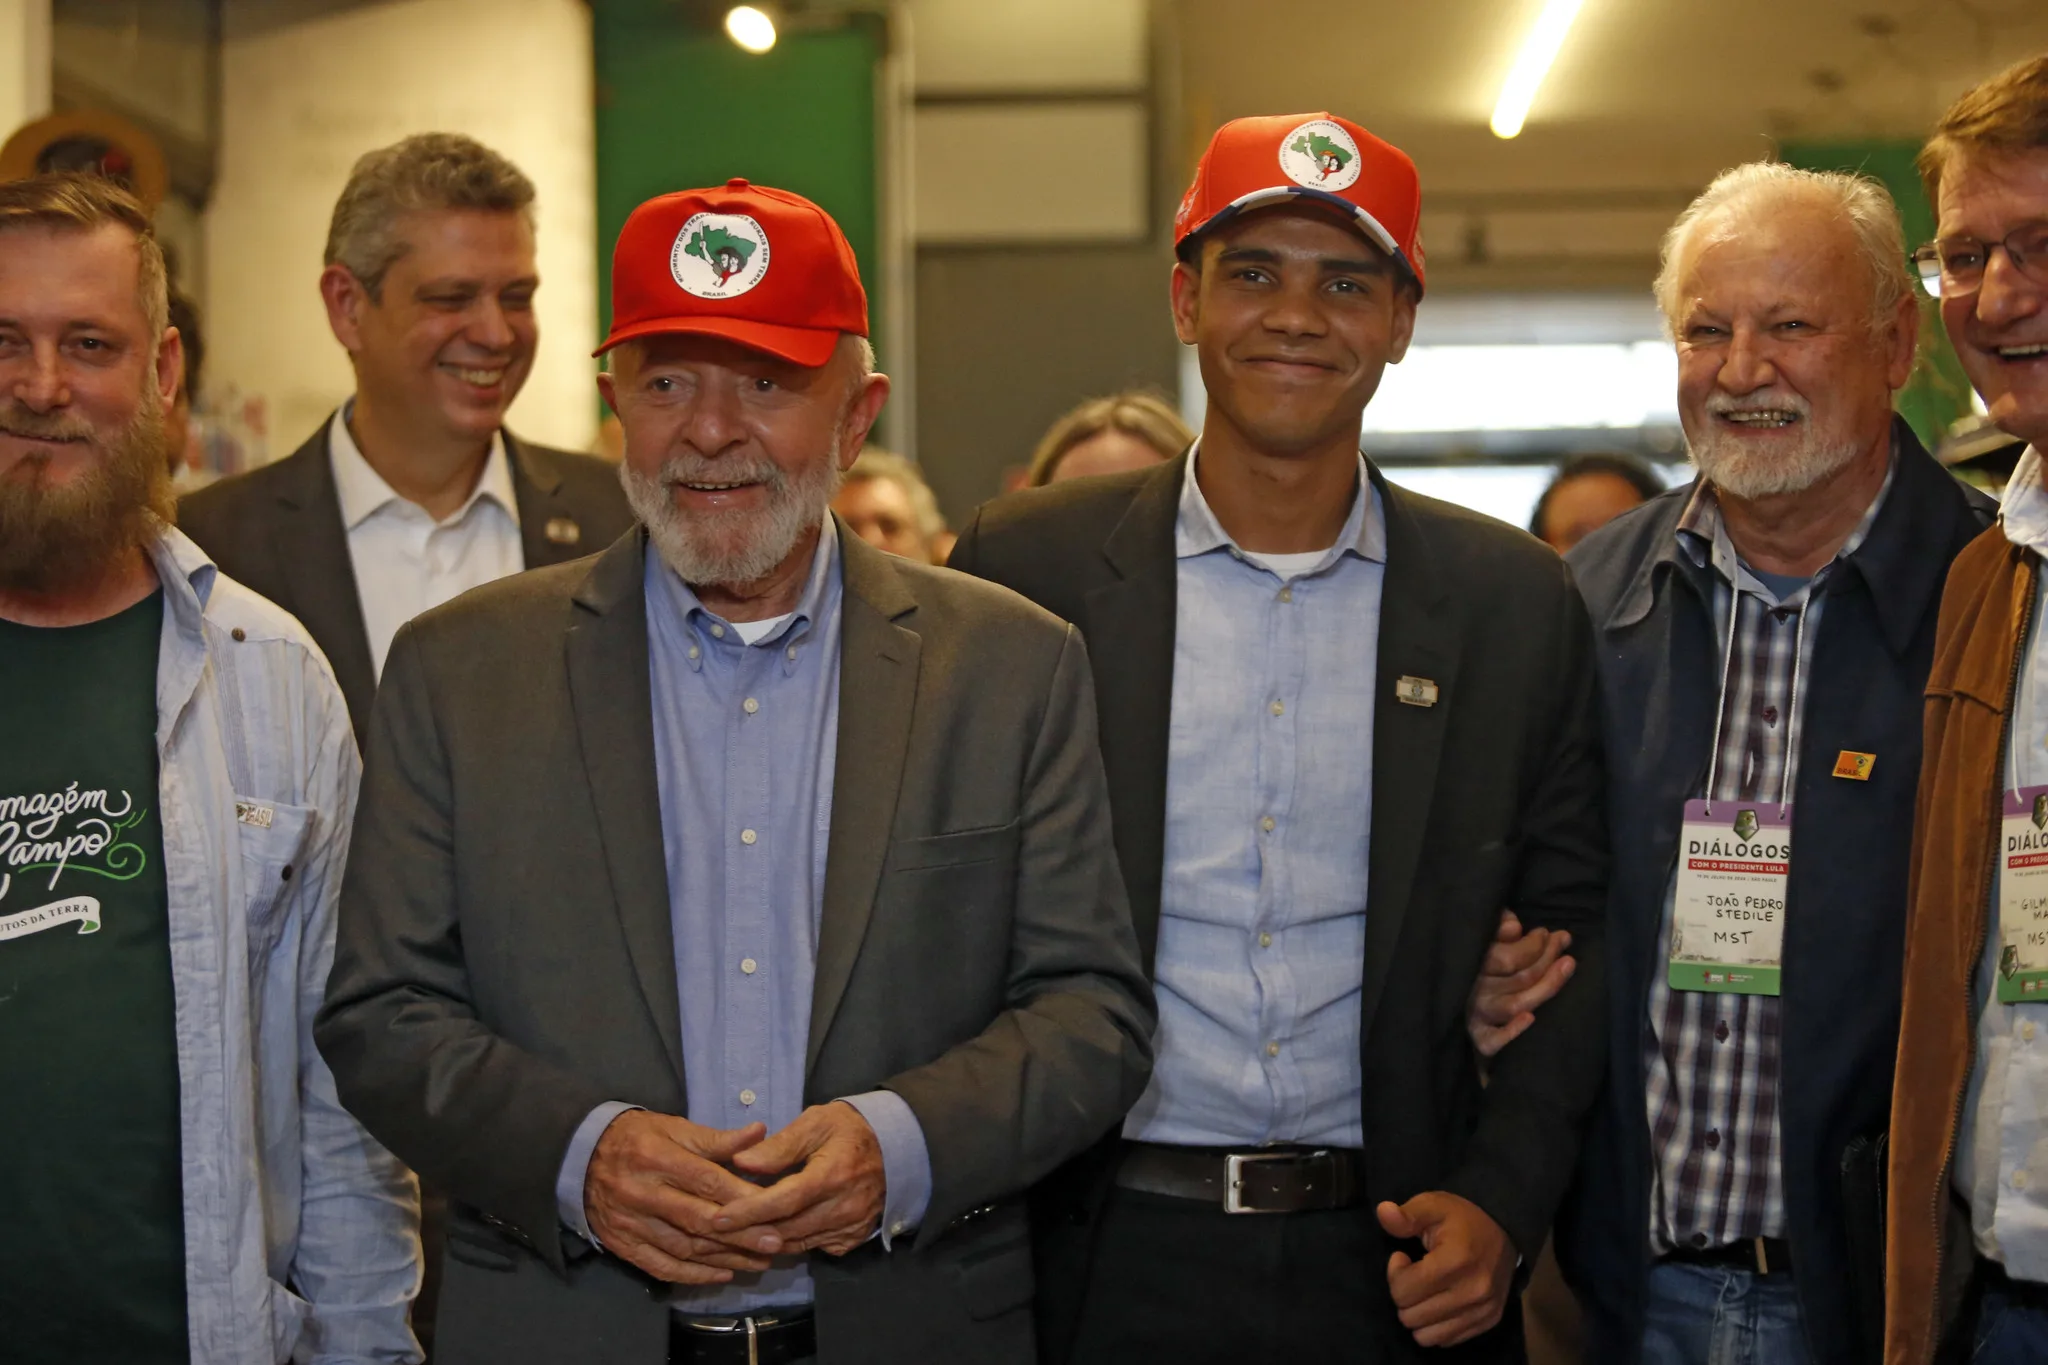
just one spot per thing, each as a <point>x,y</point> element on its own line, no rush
<point>1985,614</point>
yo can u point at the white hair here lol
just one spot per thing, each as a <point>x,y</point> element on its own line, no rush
<point>1861,203</point>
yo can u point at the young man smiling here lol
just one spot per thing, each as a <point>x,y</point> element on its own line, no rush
<point>1344,725</point>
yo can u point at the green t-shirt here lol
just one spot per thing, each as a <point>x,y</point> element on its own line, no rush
<point>92,1223</point>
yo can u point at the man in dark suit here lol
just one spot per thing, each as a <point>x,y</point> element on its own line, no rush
<point>798,840</point>
<point>413,491</point>
<point>1344,726</point>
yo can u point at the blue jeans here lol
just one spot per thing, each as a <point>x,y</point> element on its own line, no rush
<point>2009,1332</point>
<point>1705,1315</point>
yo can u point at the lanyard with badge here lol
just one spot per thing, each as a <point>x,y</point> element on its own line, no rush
<point>1734,862</point>
<point>2022,884</point>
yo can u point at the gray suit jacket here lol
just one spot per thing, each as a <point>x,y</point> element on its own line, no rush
<point>278,530</point>
<point>504,960</point>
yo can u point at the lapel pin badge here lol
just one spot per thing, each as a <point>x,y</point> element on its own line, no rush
<point>1415,691</point>
<point>562,531</point>
<point>1854,766</point>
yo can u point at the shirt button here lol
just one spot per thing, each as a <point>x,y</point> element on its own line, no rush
<point>1267,824</point>
<point>1721,1031</point>
<point>1287,594</point>
<point>1278,708</point>
<point>2019,1180</point>
<point>2027,1031</point>
<point>717,632</point>
<point>748,1097</point>
<point>750,706</point>
<point>749,966</point>
<point>1272,1049</point>
<point>1265,940</point>
<point>791,652</point>
<point>1713,1139</point>
<point>1698,1239</point>
<point>695,652</point>
<point>239,634</point>
<point>748,836</point>
<point>1770,715</point>
<point>897,1229</point>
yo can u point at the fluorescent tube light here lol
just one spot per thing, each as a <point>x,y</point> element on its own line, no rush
<point>1539,50</point>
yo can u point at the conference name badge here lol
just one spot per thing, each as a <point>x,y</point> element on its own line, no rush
<point>2023,897</point>
<point>1728,918</point>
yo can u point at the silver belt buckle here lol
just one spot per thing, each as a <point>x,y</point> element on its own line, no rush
<point>1233,1177</point>
<point>724,1325</point>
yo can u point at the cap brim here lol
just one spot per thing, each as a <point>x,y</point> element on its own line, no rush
<point>1373,230</point>
<point>806,346</point>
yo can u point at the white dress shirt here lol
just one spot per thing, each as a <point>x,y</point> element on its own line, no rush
<point>406,562</point>
<point>2001,1161</point>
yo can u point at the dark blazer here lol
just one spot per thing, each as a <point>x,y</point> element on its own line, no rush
<point>505,961</point>
<point>1489,798</point>
<point>278,530</point>
<point>1652,612</point>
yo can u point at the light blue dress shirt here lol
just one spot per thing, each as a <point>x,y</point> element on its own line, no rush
<point>2001,1162</point>
<point>301,1232</point>
<point>745,739</point>
<point>1268,832</point>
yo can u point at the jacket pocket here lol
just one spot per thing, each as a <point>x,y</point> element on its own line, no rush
<point>993,844</point>
<point>474,1244</point>
<point>272,836</point>
<point>995,1270</point>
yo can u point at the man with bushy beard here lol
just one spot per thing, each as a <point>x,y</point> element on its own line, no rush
<point>176,786</point>
<point>1764,638</point>
<point>731,909</point>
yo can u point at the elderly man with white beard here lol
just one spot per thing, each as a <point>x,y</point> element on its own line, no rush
<point>176,786</point>
<point>1764,637</point>
<point>732,909</point>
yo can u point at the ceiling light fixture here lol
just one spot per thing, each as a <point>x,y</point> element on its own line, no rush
<point>751,28</point>
<point>1539,50</point>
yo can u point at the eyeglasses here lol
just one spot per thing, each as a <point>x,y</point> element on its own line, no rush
<point>1956,266</point>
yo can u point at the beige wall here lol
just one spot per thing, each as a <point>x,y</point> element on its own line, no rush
<point>24,62</point>
<point>301,100</point>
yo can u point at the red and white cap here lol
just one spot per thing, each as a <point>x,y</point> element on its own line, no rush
<point>765,268</point>
<point>1252,162</point>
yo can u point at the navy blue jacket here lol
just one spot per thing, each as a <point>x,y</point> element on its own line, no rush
<point>1846,901</point>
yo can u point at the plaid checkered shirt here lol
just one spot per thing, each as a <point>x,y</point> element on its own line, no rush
<point>1711,1059</point>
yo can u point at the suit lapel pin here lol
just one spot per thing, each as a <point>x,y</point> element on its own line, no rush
<point>1415,691</point>
<point>562,531</point>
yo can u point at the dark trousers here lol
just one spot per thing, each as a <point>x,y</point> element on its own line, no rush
<point>1176,1282</point>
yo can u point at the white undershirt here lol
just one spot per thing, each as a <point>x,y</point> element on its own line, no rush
<point>753,632</point>
<point>406,562</point>
<point>1290,565</point>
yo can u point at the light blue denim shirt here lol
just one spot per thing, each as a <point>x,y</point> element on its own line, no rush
<point>2001,1163</point>
<point>746,741</point>
<point>301,1232</point>
<point>1268,833</point>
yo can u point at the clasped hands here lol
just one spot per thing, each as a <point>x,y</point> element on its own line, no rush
<point>673,1197</point>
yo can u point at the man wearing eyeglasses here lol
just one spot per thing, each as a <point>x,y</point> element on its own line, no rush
<point>1967,1235</point>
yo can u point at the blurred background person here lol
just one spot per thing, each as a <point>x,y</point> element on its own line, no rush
<point>1589,491</point>
<point>1124,431</point>
<point>183,445</point>
<point>886,502</point>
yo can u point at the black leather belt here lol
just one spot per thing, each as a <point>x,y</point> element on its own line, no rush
<point>1247,1180</point>
<point>1759,1255</point>
<point>776,1337</point>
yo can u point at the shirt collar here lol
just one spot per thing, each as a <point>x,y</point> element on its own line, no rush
<point>1197,532</point>
<point>1703,535</point>
<point>363,492</point>
<point>2024,513</point>
<point>710,629</point>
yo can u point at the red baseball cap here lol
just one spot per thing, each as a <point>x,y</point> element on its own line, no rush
<point>1252,162</point>
<point>765,268</point>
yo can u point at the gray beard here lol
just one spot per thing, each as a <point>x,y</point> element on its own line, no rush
<point>1735,469</point>
<point>55,537</point>
<point>730,549</point>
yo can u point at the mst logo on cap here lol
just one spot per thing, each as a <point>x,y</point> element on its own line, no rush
<point>719,255</point>
<point>1320,155</point>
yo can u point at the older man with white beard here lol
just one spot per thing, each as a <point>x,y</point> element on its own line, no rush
<point>1764,637</point>
<point>176,785</point>
<point>733,908</point>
